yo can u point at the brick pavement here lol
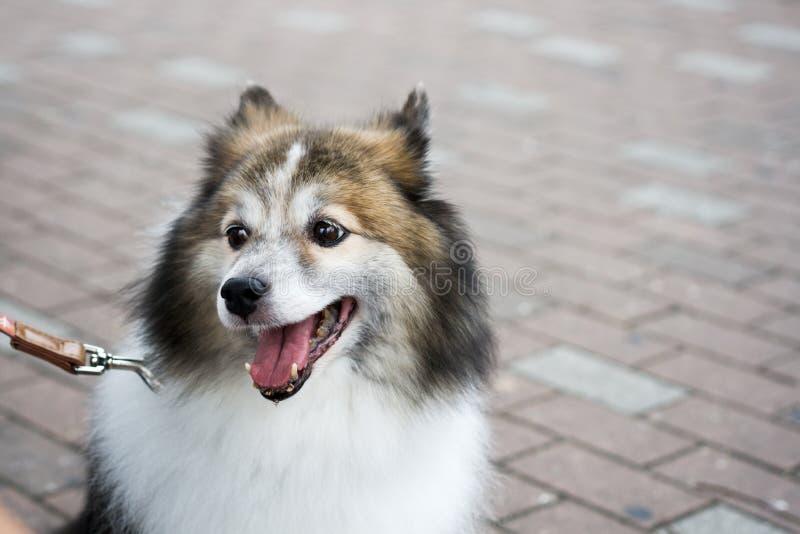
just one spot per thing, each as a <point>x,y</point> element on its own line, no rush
<point>642,157</point>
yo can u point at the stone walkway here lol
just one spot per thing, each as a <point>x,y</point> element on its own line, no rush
<point>637,161</point>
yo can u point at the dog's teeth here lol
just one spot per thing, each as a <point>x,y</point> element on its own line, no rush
<point>247,366</point>
<point>321,331</point>
<point>294,371</point>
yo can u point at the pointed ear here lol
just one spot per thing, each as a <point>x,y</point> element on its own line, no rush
<point>257,114</point>
<point>413,120</point>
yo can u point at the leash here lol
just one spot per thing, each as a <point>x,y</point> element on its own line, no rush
<point>71,356</point>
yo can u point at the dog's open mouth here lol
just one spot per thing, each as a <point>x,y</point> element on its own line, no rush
<point>285,355</point>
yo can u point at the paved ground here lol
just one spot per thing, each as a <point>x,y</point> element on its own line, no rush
<point>642,156</point>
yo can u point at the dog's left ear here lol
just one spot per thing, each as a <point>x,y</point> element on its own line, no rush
<point>414,118</point>
<point>407,164</point>
<point>257,114</point>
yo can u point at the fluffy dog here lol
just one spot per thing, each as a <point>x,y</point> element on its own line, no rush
<point>315,265</point>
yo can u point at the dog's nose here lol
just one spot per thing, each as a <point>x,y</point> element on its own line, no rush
<point>241,294</point>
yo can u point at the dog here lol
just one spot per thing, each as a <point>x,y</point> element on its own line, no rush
<point>325,353</point>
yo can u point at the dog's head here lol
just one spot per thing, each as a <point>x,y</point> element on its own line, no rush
<point>317,247</point>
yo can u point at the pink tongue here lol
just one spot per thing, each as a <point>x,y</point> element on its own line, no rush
<point>278,349</point>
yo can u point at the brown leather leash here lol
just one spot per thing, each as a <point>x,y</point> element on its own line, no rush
<point>72,356</point>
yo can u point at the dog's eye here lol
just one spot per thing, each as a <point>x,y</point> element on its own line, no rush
<point>328,233</point>
<point>237,236</point>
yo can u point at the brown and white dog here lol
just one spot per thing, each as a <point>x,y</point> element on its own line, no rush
<point>314,264</point>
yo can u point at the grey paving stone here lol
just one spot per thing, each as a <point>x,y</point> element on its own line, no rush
<point>703,262</point>
<point>705,5</point>
<point>581,373</point>
<point>314,20</point>
<point>202,71</point>
<point>90,44</point>
<point>502,98</point>
<point>579,51</point>
<point>670,200</point>
<point>9,73</point>
<point>88,3</point>
<point>722,66</point>
<point>672,157</point>
<point>506,22</point>
<point>771,36</point>
<point>720,519</point>
<point>165,127</point>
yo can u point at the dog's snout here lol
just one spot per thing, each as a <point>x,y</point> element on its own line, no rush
<point>241,295</point>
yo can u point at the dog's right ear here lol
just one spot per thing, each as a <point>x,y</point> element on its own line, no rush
<point>258,113</point>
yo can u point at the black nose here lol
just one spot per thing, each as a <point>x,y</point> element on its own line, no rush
<point>241,294</point>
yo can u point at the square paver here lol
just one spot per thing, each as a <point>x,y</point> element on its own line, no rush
<point>510,438</point>
<point>502,98</point>
<point>515,497</point>
<point>584,374</point>
<point>702,261</point>
<point>625,492</point>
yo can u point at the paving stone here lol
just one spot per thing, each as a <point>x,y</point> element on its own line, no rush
<point>626,345</point>
<point>670,200</point>
<point>505,22</point>
<point>514,341</point>
<point>69,502</point>
<point>625,492</point>
<point>598,265</point>
<point>89,3</point>
<point>722,340</point>
<point>15,371</point>
<point>567,518</point>
<point>786,326</point>
<point>584,374</point>
<point>619,304</point>
<point>706,5</point>
<point>509,389</point>
<point>723,66</point>
<point>202,71</point>
<point>165,127</point>
<point>90,44</point>
<point>705,297</point>
<point>66,418</point>
<point>9,73</point>
<point>771,36</point>
<point>628,438</point>
<point>511,438</point>
<point>29,513</point>
<point>782,288</point>
<point>708,263</point>
<point>721,518</point>
<point>37,464</point>
<point>515,496</point>
<point>735,385</point>
<point>734,430</point>
<point>39,289</point>
<point>502,98</point>
<point>672,157</point>
<point>707,466</point>
<point>579,51</point>
<point>314,21</point>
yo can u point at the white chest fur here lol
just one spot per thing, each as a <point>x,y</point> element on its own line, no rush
<point>335,459</point>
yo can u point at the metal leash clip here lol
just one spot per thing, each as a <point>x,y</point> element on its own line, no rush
<point>71,356</point>
<point>98,361</point>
